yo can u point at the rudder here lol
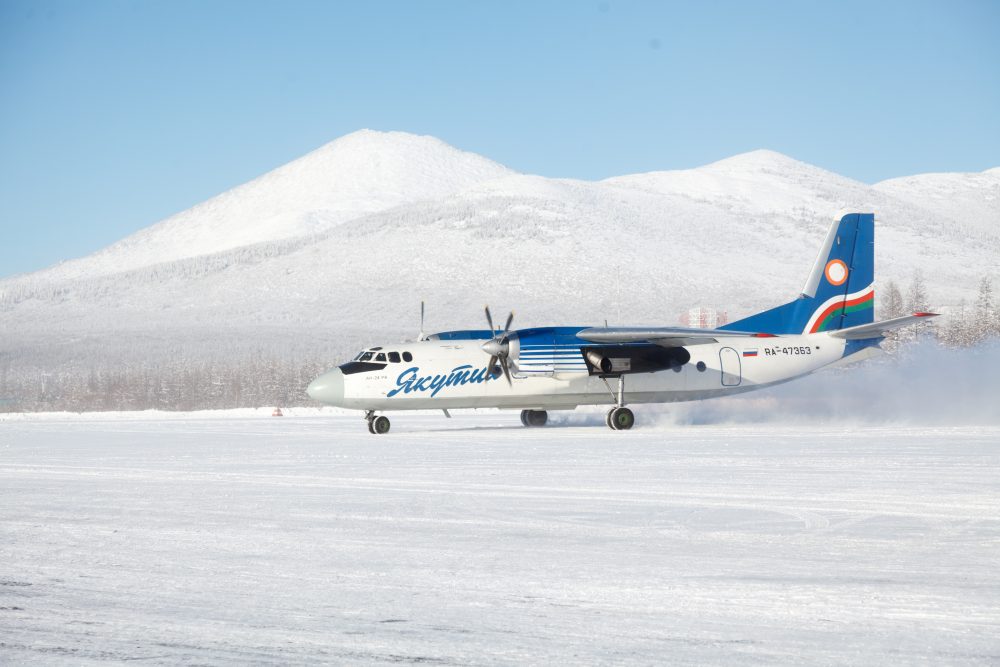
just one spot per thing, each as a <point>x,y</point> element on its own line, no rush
<point>845,290</point>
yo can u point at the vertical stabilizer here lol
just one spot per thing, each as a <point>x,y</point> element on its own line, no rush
<point>840,290</point>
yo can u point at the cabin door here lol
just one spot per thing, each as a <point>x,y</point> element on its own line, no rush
<point>729,359</point>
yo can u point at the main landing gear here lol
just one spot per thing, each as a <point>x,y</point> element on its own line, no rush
<point>619,417</point>
<point>534,417</point>
<point>377,425</point>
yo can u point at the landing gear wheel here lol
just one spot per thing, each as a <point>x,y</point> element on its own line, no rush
<point>379,425</point>
<point>534,417</point>
<point>621,419</point>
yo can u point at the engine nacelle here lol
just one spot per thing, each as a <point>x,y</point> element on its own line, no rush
<point>624,359</point>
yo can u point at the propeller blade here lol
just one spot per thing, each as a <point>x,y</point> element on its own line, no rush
<point>506,371</point>
<point>489,319</point>
<point>422,336</point>
<point>498,347</point>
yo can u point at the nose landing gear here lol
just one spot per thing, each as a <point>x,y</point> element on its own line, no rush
<point>377,425</point>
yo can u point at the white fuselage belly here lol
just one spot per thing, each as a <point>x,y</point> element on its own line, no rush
<point>450,374</point>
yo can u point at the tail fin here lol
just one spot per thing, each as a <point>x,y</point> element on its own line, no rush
<point>840,291</point>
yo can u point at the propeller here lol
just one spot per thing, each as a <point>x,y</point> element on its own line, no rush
<point>421,335</point>
<point>498,347</point>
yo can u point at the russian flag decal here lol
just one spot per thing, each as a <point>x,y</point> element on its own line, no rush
<point>750,353</point>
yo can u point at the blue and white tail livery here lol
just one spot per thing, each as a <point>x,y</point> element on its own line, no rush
<point>840,291</point>
<point>562,367</point>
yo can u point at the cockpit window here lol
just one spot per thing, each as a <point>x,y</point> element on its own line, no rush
<point>394,357</point>
<point>407,356</point>
<point>380,357</point>
<point>365,356</point>
<point>352,367</point>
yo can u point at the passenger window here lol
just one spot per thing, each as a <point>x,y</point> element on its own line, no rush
<point>394,357</point>
<point>407,356</point>
<point>380,357</point>
<point>365,357</point>
<point>701,366</point>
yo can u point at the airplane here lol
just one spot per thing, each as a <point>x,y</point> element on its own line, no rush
<point>563,367</point>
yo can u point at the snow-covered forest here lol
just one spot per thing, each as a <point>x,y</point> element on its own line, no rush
<point>266,378</point>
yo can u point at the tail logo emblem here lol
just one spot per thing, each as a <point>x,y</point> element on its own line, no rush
<point>836,272</point>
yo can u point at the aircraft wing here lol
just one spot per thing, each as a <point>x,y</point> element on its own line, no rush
<point>662,336</point>
<point>876,329</point>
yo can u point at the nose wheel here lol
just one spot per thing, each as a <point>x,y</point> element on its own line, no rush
<point>377,425</point>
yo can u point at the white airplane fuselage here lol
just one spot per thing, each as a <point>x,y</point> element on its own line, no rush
<point>446,374</point>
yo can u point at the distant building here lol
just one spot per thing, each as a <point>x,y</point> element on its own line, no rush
<point>704,318</point>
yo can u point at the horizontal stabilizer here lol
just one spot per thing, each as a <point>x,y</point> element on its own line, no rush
<point>662,336</point>
<point>877,329</point>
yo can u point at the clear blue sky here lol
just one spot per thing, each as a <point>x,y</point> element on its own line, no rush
<point>115,115</point>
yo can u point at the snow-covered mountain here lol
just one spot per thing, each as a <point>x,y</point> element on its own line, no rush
<point>337,249</point>
<point>356,175</point>
<point>971,198</point>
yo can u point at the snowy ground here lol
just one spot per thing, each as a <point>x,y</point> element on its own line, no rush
<point>235,539</point>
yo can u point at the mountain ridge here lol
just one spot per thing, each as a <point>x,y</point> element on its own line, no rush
<point>310,195</point>
<point>738,234</point>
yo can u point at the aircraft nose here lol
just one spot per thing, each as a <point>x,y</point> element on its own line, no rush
<point>327,388</point>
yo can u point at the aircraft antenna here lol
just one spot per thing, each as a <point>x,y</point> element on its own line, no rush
<point>618,290</point>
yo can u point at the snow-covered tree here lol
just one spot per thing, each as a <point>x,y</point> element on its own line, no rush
<point>893,301</point>
<point>956,332</point>
<point>985,324</point>
<point>916,295</point>
<point>891,305</point>
<point>917,301</point>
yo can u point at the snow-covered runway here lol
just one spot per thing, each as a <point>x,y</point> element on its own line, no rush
<point>235,540</point>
